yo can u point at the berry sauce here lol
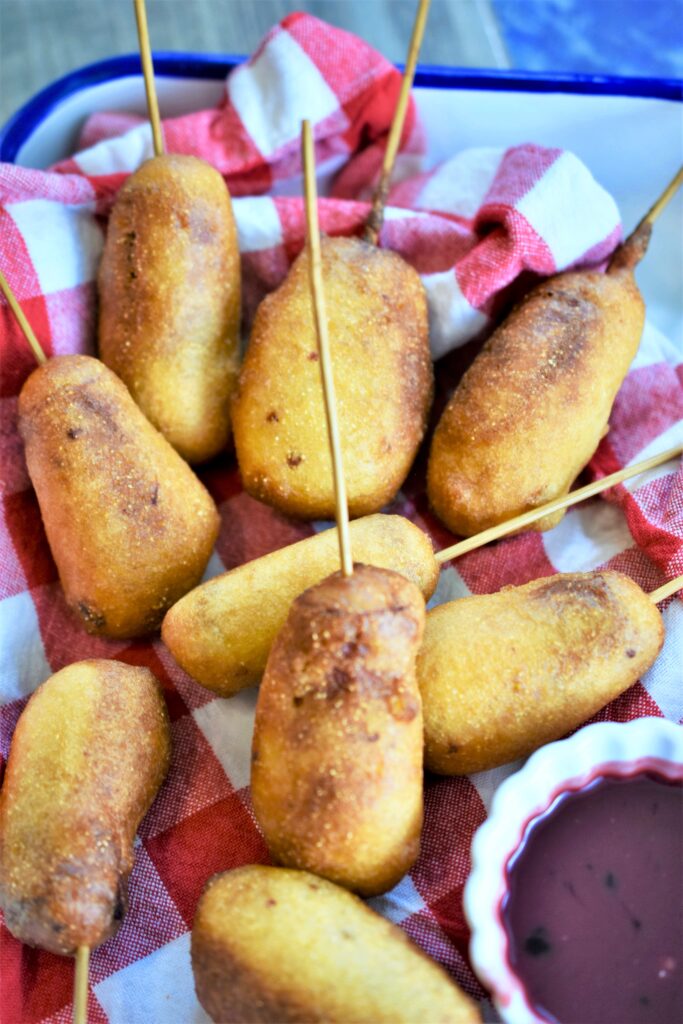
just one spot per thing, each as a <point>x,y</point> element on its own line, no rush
<point>594,911</point>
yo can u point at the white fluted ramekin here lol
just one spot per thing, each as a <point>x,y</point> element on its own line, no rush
<point>605,748</point>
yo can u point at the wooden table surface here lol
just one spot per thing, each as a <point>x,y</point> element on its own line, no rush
<point>40,40</point>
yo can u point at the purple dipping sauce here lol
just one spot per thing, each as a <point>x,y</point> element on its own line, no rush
<point>594,911</point>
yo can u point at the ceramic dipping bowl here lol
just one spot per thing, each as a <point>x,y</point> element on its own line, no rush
<point>575,898</point>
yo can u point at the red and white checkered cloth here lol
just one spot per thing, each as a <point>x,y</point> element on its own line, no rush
<point>472,227</point>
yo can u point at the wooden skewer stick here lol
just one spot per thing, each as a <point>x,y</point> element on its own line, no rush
<point>148,72</point>
<point>631,251</point>
<point>23,322</point>
<point>320,314</point>
<point>376,218</point>
<point>573,498</point>
<point>657,207</point>
<point>81,985</point>
<point>667,590</point>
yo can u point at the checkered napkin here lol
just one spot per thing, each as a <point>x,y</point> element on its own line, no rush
<point>474,228</point>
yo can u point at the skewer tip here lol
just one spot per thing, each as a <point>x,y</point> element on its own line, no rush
<point>148,72</point>
<point>667,590</point>
<point>526,519</point>
<point>320,318</point>
<point>632,249</point>
<point>80,1015</point>
<point>35,345</point>
<point>376,216</point>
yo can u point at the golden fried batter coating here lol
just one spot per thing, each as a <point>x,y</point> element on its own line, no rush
<point>221,633</point>
<point>169,288</point>
<point>272,946</point>
<point>377,315</point>
<point>530,411</point>
<point>502,674</point>
<point>130,526</point>
<point>88,755</point>
<point>336,776</point>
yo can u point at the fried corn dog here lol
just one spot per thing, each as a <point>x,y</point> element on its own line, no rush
<point>221,633</point>
<point>336,777</point>
<point>169,291</point>
<point>532,408</point>
<point>501,674</point>
<point>130,526</point>
<point>383,378</point>
<point>89,753</point>
<point>279,946</point>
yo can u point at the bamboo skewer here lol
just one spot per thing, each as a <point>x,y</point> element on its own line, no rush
<point>320,315</point>
<point>376,218</point>
<point>666,590</point>
<point>657,207</point>
<point>80,1006</point>
<point>566,501</point>
<point>148,72</point>
<point>22,321</point>
<point>634,247</point>
<point>81,985</point>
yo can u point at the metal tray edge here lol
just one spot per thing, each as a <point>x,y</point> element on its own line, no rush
<point>19,127</point>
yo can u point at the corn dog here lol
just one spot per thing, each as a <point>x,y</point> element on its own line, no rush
<point>336,778</point>
<point>89,753</point>
<point>501,674</point>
